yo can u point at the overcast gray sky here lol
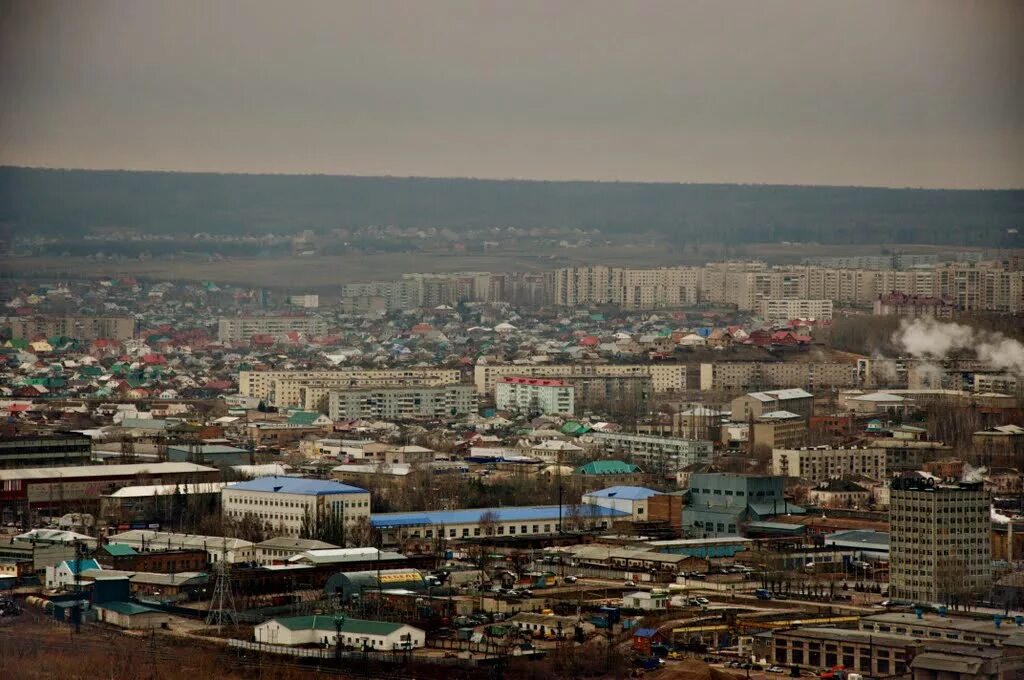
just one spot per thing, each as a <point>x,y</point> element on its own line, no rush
<point>908,93</point>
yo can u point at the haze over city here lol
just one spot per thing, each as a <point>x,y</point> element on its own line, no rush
<point>921,94</point>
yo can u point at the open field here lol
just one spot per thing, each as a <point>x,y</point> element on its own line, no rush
<point>323,272</point>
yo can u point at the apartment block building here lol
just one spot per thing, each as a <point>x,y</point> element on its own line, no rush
<point>907,454</point>
<point>614,393</point>
<point>819,464</point>
<point>745,375</point>
<point>773,310</point>
<point>401,403</point>
<point>912,306</point>
<point>243,328</point>
<point>627,287</point>
<point>779,429</point>
<point>380,296</point>
<point>535,395</point>
<point>307,301</point>
<point>261,384</point>
<point>87,328</point>
<point>940,541</point>
<point>286,504</point>
<point>967,286</point>
<point>655,454</point>
<point>431,290</point>
<point>757,404</point>
<point>664,377</point>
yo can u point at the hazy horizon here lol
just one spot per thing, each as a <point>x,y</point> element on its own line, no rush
<point>917,94</point>
<point>506,179</point>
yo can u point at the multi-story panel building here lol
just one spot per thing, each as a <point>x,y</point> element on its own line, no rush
<point>308,301</point>
<point>745,375</point>
<point>756,404</point>
<point>242,328</point>
<point>912,306</point>
<point>45,450</point>
<point>380,295</point>
<point>982,286</point>
<point>906,454</point>
<point>86,328</point>
<point>655,454</point>
<point>401,403</point>
<point>819,464</point>
<point>627,287</point>
<point>534,395</point>
<point>287,505</point>
<point>664,377</point>
<point>620,394</point>
<point>261,384</point>
<point>773,310</point>
<point>940,541</point>
<point>576,286</point>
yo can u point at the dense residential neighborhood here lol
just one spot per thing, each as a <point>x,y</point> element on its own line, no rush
<point>467,477</point>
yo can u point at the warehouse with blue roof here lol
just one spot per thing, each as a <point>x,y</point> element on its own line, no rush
<point>285,505</point>
<point>504,522</point>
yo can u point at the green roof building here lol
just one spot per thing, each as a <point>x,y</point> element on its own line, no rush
<point>599,468</point>
<point>323,630</point>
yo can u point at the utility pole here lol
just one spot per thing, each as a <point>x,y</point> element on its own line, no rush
<point>76,612</point>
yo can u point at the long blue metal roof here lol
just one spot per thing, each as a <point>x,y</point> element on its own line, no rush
<point>296,485</point>
<point>472,515</point>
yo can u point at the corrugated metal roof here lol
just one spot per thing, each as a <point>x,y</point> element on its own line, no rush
<point>356,626</point>
<point>629,493</point>
<point>472,516</point>
<point>127,608</point>
<point>122,470</point>
<point>296,485</point>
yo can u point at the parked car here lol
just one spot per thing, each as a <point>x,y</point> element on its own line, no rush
<point>703,600</point>
<point>570,579</point>
<point>630,584</point>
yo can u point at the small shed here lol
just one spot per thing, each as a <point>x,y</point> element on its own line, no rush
<point>647,601</point>
<point>131,616</point>
<point>644,640</point>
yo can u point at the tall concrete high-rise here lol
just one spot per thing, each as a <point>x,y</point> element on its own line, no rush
<point>940,547</point>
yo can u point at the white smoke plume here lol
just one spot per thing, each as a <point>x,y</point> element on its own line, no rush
<point>973,474</point>
<point>927,338</point>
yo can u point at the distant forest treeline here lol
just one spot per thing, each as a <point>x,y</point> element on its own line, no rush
<point>76,202</point>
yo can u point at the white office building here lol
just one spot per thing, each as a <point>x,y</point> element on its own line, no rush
<point>284,504</point>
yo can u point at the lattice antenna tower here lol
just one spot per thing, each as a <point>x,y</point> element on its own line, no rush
<point>222,605</point>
